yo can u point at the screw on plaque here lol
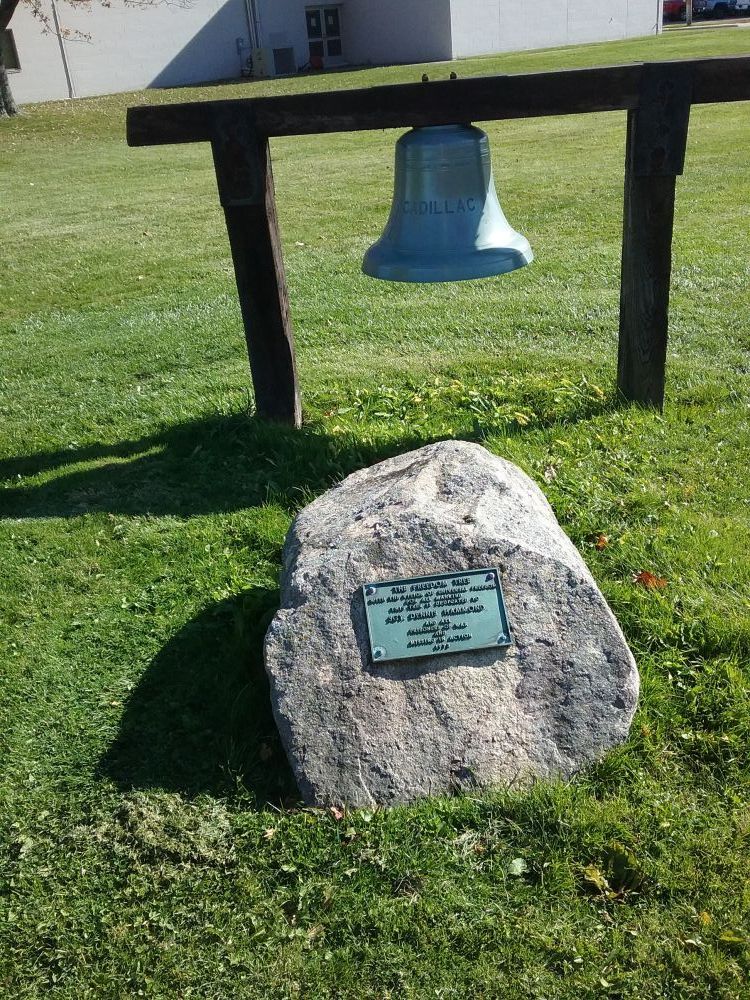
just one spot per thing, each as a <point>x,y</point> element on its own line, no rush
<point>369,591</point>
<point>489,577</point>
<point>378,653</point>
<point>502,639</point>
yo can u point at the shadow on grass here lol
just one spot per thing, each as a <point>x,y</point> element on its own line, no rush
<point>200,719</point>
<point>214,465</point>
<point>217,464</point>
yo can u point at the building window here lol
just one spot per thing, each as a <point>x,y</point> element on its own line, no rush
<point>314,23</point>
<point>323,33</point>
<point>9,50</point>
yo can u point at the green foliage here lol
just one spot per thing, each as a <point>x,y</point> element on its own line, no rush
<point>151,842</point>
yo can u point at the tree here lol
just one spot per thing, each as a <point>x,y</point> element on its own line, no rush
<point>7,105</point>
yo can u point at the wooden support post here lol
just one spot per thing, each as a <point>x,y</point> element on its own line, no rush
<point>655,155</point>
<point>243,174</point>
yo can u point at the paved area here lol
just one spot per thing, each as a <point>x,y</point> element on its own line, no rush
<point>734,22</point>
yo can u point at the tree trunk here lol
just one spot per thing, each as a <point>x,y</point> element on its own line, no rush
<point>8,105</point>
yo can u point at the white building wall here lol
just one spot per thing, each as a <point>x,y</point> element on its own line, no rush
<point>282,25</point>
<point>596,20</point>
<point>129,48</point>
<point>475,26</point>
<point>482,26</point>
<point>396,31</point>
<point>168,44</point>
<point>644,17</point>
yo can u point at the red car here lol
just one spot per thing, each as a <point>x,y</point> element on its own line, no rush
<point>674,10</point>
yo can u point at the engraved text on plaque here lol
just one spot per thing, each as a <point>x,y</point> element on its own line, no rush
<point>446,613</point>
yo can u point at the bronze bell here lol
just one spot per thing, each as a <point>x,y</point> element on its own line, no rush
<point>446,223</point>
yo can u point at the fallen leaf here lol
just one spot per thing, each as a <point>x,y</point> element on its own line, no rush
<point>650,580</point>
<point>338,814</point>
<point>595,880</point>
<point>732,940</point>
<point>692,942</point>
<point>602,542</point>
<point>269,832</point>
<point>314,932</point>
<point>550,473</point>
<point>25,844</point>
<point>517,867</point>
<point>624,872</point>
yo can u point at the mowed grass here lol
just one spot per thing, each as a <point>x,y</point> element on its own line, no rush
<point>152,842</point>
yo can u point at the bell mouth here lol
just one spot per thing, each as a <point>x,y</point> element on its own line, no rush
<point>390,264</point>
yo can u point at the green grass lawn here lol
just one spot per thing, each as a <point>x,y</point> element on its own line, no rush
<point>152,844</point>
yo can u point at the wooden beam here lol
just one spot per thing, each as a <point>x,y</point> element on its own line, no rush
<point>655,155</point>
<point>245,181</point>
<point>564,92</point>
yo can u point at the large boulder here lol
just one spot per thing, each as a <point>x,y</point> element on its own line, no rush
<point>360,733</point>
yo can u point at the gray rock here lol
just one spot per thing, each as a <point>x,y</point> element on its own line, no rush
<point>361,734</point>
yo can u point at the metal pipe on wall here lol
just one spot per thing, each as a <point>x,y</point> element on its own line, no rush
<point>253,23</point>
<point>63,50</point>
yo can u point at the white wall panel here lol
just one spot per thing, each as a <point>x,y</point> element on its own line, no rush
<point>594,20</point>
<point>532,24</point>
<point>475,27</point>
<point>396,31</point>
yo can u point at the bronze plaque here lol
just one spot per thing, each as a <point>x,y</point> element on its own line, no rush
<point>430,615</point>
